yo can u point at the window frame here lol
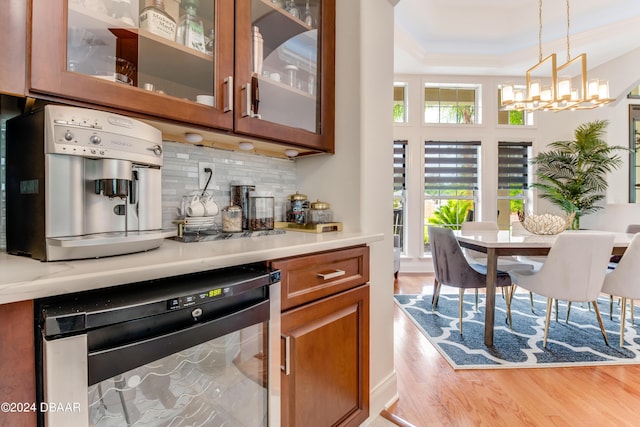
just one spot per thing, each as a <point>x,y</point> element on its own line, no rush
<point>477,113</point>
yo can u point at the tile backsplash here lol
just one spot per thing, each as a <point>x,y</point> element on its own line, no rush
<point>180,175</point>
<point>183,164</point>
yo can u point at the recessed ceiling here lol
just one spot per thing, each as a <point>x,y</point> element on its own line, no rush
<point>500,37</point>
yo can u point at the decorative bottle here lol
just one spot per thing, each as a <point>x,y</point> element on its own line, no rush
<point>190,30</point>
<point>156,20</point>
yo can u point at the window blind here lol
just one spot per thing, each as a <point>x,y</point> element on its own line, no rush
<point>451,165</point>
<point>399,165</point>
<point>513,165</point>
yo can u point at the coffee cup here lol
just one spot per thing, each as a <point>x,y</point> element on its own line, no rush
<point>196,209</point>
<point>210,208</point>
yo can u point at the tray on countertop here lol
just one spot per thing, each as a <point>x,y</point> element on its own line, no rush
<point>310,228</point>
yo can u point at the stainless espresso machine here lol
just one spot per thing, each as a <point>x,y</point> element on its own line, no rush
<point>82,183</point>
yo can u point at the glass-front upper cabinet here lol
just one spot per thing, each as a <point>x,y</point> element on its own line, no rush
<point>169,59</point>
<point>285,71</point>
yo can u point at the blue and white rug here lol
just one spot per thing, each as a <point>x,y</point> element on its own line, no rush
<point>576,343</point>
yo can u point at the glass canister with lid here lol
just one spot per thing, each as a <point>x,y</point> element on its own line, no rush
<point>232,219</point>
<point>319,213</point>
<point>240,190</point>
<point>296,208</point>
<point>261,210</point>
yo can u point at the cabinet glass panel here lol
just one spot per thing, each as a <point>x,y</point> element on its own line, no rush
<point>164,46</point>
<point>285,61</point>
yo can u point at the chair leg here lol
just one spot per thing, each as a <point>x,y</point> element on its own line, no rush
<point>508,296</point>
<point>610,307</point>
<point>623,315</point>
<point>531,299</point>
<point>604,333</point>
<point>476,300</point>
<point>632,314</point>
<point>460,298</point>
<point>548,320</point>
<point>436,294</point>
<point>568,310</point>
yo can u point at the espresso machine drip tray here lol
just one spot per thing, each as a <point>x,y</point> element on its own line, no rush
<point>107,244</point>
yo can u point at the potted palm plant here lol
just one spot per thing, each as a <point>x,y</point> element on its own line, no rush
<point>572,174</point>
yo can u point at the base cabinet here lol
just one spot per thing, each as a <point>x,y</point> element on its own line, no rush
<point>325,341</point>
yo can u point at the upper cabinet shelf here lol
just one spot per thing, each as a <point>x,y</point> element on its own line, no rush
<point>276,24</point>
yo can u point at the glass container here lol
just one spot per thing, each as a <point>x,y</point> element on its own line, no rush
<point>297,203</point>
<point>232,219</point>
<point>156,20</point>
<point>240,190</point>
<point>190,29</point>
<point>319,213</point>
<point>261,210</point>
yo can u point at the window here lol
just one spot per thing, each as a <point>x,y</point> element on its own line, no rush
<point>512,117</point>
<point>399,189</point>
<point>400,102</point>
<point>450,182</point>
<point>513,180</point>
<point>451,104</point>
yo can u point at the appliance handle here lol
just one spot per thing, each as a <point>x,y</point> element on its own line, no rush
<point>286,367</point>
<point>135,354</point>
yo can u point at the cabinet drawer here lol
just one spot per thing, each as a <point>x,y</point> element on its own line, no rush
<point>310,277</point>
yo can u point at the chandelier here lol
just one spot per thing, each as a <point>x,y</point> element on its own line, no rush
<point>550,87</point>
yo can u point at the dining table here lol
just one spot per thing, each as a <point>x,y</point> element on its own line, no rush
<point>516,242</point>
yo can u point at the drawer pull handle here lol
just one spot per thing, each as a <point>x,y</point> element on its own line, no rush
<point>286,368</point>
<point>331,274</point>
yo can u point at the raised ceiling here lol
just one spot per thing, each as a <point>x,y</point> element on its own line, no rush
<point>500,37</point>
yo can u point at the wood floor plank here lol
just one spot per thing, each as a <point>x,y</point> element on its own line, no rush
<point>431,393</point>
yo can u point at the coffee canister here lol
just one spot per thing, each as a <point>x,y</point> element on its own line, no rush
<point>261,210</point>
<point>240,190</point>
<point>296,208</point>
<point>319,213</point>
<point>232,219</point>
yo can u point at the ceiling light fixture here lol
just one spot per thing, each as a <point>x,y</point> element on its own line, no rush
<point>556,90</point>
<point>245,145</point>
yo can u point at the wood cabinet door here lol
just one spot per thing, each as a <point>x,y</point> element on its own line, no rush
<point>78,51</point>
<point>299,112</point>
<point>325,354</point>
<point>17,364</point>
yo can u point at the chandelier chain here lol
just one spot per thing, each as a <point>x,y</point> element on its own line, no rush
<point>540,31</point>
<point>568,39</point>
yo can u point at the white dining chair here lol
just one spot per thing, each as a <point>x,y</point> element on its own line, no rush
<point>623,281</point>
<point>574,270</point>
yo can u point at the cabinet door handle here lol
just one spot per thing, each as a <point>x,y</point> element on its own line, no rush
<point>247,100</point>
<point>228,98</point>
<point>286,368</point>
<point>326,275</point>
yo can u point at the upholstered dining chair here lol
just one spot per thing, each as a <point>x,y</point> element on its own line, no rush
<point>624,281</point>
<point>452,269</point>
<point>573,271</point>
<point>505,263</point>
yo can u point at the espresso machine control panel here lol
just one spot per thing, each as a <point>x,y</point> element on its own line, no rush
<point>98,134</point>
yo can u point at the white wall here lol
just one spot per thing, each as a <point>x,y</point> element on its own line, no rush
<point>622,75</point>
<point>358,179</point>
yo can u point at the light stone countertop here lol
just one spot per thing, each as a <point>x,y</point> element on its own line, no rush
<point>23,278</point>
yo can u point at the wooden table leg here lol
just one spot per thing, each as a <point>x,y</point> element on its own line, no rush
<point>492,274</point>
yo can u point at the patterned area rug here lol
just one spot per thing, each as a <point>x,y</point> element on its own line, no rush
<point>576,343</point>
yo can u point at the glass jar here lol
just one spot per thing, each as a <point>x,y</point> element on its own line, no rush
<point>232,219</point>
<point>297,203</point>
<point>156,20</point>
<point>319,213</point>
<point>261,210</point>
<point>190,31</point>
<point>240,190</point>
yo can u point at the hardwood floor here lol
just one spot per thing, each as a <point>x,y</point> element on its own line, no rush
<point>431,393</point>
